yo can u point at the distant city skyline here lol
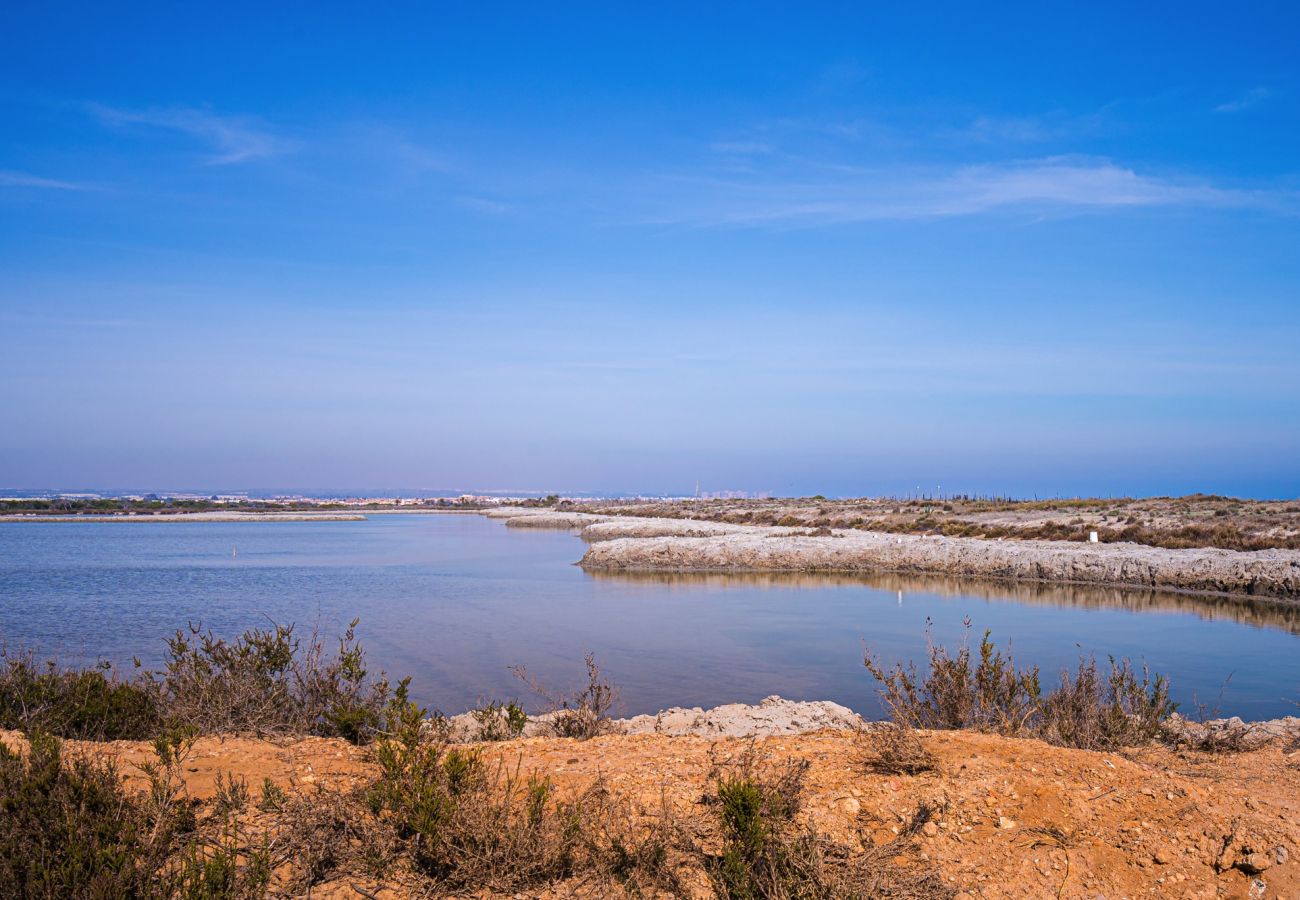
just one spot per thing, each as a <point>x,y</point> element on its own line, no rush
<point>835,249</point>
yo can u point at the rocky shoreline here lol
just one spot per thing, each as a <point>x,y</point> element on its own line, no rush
<point>775,716</point>
<point>629,543</point>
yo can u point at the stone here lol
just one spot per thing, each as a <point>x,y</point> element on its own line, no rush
<point>1006,824</point>
<point>850,806</point>
<point>929,829</point>
<point>1254,863</point>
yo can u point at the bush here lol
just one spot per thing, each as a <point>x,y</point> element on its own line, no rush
<point>467,825</point>
<point>894,749</point>
<point>267,683</point>
<point>583,714</point>
<point>991,696</point>
<point>1086,711</point>
<point>500,721</point>
<point>89,704</point>
<point>68,829</point>
<point>1096,713</point>
<point>766,853</point>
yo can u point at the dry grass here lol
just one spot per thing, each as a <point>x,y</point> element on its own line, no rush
<point>890,748</point>
<point>582,713</point>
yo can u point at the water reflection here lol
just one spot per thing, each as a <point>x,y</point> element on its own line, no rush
<point>1259,612</point>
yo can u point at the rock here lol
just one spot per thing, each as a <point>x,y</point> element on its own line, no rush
<point>1254,863</point>
<point>1280,855</point>
<point>773,716</point>
<point>1006,824</point>
<point>1163,856</point>
<point>849,806</point>
<point>929,829</point>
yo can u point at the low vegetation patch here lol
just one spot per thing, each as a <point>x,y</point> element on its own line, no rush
<point>583,713</point>
<point>765,852</point>
<point>266,682</point>
<point>891,748</point>
<point>87,704</point>
<point>986,691</point>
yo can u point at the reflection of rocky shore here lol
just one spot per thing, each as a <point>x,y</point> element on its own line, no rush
<point>1257,611</point>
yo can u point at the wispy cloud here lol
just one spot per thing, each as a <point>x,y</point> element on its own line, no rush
<point>231,139</point>
<point>1035,129</point>
<point>486,205</point>
<point>1252,97</point>
<point>812,197</point>
<point>9,178</point>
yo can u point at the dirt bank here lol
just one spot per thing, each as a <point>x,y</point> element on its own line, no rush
<point>1017,818</point>
<point>1264,573</point>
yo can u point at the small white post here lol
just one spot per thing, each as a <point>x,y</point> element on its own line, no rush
<point>1092,537</point>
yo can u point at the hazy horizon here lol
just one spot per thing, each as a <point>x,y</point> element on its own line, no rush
<point>842,251</point>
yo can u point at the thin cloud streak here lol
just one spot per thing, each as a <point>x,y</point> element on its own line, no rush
<point>859,195</point>
<point>233,139</point>
<point>1253,97</point>
<point>10,178</point>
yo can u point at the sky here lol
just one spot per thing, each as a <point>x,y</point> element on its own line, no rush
<point>849,249</point>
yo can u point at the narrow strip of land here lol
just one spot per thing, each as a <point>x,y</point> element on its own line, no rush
<point>633,543</point>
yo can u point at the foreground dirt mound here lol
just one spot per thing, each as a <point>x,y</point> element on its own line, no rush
<point>1017,818</point>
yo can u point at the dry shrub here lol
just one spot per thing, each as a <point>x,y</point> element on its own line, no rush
<point>326,833</point>
<point>893,749</point>
<point>1087,710</point>
<point>70,828</point>
<point>467,824</point>
<point>992,695</point>
<point>581,714</point>
<point>765,852</point>
<point>1096,713</point>
<point>269,683</point>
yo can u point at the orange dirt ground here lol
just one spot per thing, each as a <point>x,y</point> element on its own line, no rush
<point>1019,818</point>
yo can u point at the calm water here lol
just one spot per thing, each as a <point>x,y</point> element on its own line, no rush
<point>456,600</point>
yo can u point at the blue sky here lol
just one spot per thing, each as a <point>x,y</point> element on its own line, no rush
<point>848,250</point>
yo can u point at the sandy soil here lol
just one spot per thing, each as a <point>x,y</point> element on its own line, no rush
<point>1019,818</point>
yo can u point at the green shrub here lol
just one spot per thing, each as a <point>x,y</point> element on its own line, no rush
<point>88,704</point>
<point>500,721</point>
<point>766,853</point>
<point>469,825</point>
<point>68,829</point>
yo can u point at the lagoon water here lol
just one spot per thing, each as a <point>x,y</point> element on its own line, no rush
<point>455,600</point>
